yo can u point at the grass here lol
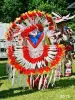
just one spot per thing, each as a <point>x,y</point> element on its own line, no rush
<point>2,69</point>
<point>64,89</point>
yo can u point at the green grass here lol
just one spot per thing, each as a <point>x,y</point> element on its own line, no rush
<point>2,69</point>
<point>73,68</point>
<point>64,90</point>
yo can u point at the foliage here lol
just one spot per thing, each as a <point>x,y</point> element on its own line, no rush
<point>10,9</point>
<point>72,25</point>
<point>49,5</point>
<point>1,4</point>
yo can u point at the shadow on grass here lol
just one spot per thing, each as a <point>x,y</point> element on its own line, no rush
<point>1,84</point>
<point>64,83</point>
<point>20,91</point>
<point>3,77</point>
<point>73,73</point>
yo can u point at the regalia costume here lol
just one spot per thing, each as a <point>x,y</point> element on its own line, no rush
<point>27,48</point>
<point>64,36</point>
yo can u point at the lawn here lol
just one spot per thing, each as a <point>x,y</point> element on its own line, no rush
<point>64,89</point>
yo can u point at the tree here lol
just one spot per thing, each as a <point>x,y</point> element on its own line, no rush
<point>49,5</point>
<point>12,9</point>
<point>1,4</point>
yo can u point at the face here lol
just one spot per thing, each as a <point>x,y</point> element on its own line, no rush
<point>61,25</point>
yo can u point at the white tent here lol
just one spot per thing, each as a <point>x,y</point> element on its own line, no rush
<point>3,30</point>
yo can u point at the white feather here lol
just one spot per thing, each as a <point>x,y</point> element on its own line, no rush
<point>52,52</point>
<point>51,56</point>
<point>56,14</point>
<point>33,66</point>
<point>48,59</point>
<point>43,63</point>
<point>39,64</point>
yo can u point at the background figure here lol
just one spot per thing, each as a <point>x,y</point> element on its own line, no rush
<point>68,65</point>
<point>64,36</point>
<point>29,52</point>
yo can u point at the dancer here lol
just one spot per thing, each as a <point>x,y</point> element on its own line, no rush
<point>28,51</point>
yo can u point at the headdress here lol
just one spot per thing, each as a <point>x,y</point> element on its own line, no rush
<point>58,18</point>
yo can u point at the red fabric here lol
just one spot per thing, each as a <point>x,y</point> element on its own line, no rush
<point>68,48</point>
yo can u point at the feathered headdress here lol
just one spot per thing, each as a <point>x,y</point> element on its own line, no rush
<point>58,18</point>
